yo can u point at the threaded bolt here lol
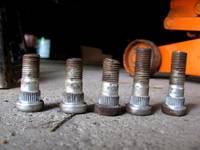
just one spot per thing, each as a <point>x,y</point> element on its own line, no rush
<point>174,103</point>
<point>108,102</point>
<point>139,101</point>
<point>29,98</point>
<point>73,97</point>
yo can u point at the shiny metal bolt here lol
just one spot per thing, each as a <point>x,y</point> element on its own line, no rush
<point>139,101</point>
<point>174,103</point>
<point>29,98</point>
<point>108,102</point>
<point>73,97</point>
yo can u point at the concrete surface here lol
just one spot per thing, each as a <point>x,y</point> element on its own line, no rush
<point>31,131</point>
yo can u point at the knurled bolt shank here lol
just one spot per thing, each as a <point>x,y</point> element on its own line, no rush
<point>139,101</point>
<point>73,97</point>
<point>108,102</point>
<point>174,102</point>
<point>29,98</point>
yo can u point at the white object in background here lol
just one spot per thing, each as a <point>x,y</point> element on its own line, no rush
<point>43,48</point>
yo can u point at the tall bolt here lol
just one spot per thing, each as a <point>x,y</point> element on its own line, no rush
<point>139,101</point>
<point>108,102</point>
<point>73,97</point>
<point>29,98</point>
<point>174,103</point>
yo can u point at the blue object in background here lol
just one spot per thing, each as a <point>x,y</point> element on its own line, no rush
<point>43,47</point>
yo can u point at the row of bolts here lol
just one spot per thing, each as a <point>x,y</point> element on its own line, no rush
<point>108,101</point>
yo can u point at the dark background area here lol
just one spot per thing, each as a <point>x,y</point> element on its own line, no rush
<point>106,25</point>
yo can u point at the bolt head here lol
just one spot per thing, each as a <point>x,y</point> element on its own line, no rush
<point>73,108</point>
<point>109,110</point>
<point>139,111</point>
<point>172,112</point>
<point>30,107</point>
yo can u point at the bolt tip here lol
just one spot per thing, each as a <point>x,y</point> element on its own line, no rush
<point>113,61</point>
<point>178,52</point>
<point>31,55</point>
<point>74,59</point>
<point>143,49</point>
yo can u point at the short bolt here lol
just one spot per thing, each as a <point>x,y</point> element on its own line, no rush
<point>174,102</point>
<point>108,102</point>
<point>29,98</point>
<point>73,97</point>
<point>139,101</point>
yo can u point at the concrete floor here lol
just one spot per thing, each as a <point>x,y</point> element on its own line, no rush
<point>31,131</point>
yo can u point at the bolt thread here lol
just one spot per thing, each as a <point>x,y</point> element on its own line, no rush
<point>178,67</point>
<point>30,67</point>
<point>142,65</point>
<point>110,70</point>
<point>74,68</point>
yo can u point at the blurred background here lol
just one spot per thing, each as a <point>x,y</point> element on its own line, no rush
<point>94,30</point>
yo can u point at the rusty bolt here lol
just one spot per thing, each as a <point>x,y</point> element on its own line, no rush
<point>73,97</point>
<point>174,103</point>
<point>139,101</point>
<point>108,102</point>
<point>29,98</point>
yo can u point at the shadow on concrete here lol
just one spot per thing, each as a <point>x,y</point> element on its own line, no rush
<point>156,107</point>
<point>51,106</point>
<point>90,108</point>
<point>190,107</point>
<point>193,79</point>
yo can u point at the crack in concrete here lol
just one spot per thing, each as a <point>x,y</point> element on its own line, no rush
<point>59,124</point>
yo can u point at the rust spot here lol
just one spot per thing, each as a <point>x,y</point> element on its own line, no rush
<point>109,111</point>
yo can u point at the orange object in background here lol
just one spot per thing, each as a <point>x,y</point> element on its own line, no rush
<point>191,47</point>
<point>184,15</point>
